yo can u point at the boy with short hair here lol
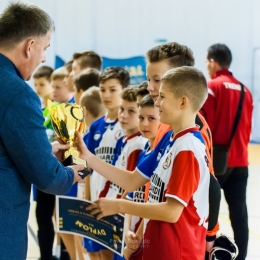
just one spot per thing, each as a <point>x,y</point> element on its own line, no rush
<point>142,91</point>
<point>176,215</point>
<point>148,126</point>
<point>159,60</point>
<point>68,79</point>
<point>84,80</point>
<point>42,83</point>
<point>61,93</point>
<point>93,109</point>
<point>128,147</point>
<point>92,105</point>
<point>85,60</point>
<point>102,137</point>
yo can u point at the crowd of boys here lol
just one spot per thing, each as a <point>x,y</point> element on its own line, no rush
<point>160,145</point>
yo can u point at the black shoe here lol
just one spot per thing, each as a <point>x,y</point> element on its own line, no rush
<point>53,258</point>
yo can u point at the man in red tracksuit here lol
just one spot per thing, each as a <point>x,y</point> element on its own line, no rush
<point>219,111</point>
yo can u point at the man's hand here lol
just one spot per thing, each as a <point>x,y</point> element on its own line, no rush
<point>58,150</point>
<point>105,207</point>
<point>76,169</point>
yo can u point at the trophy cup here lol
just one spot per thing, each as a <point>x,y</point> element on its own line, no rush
<point>67,119</point>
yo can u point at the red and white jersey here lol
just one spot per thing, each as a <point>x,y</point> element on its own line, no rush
<point>180,172</point>
<point>219,111</point>
<point>127,151</point>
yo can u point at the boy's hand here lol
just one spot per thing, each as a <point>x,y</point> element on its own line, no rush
<point>128,252</point>
<point>58,150</point>
<point>81,147</point>
<point>132,240</point>
<point>104,207</point>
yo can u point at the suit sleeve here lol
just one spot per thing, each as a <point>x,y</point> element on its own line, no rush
<point>27,145</point>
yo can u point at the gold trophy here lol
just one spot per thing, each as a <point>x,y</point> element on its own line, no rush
<point>67,119</point>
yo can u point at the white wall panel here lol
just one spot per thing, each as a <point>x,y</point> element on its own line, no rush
<point>125,28</point>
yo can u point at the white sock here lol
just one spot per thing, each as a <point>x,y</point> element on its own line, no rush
<point>56,251</point>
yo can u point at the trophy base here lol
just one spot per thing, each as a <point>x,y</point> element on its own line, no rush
<point>72,160</point>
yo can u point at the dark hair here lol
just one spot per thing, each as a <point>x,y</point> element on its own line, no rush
<point>221,54</point>
<point>177,55</point>
<point>88,59</point>
<point>142,89</point>
<point>129,94</point>
<point>86,79</point>
<point>189,82</point>
<point>43,72</point>
<point>20,21</point>
<point>146,101</point>
<point>115,73</point>
<point>68,66</point>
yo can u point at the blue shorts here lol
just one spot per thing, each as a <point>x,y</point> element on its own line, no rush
<point>118,257</point>
<point>73,191</point>
<point>92,246</point>
<point>34,192</point>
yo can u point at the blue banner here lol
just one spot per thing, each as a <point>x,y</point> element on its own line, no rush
<point>73,218</point>
<point>59,62</point>
<point>135,66</point>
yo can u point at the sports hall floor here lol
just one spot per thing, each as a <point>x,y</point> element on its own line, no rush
<point>253,197</point>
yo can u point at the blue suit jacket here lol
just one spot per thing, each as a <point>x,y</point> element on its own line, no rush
<point>25,158</point>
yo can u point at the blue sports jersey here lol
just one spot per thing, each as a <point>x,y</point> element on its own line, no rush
<point>102,138</point>
<point>148,163</point>
<point>101,141</point>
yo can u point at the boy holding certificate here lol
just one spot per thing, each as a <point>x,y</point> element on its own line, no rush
<point>177,212</point>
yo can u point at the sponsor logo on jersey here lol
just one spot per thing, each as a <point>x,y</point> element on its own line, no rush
<point>167,161</point>
<point>139,195</point>
<point>105,154</point>
<point>123,162</point>
<point>109,127</point>
<point>156,189</point>
<point>119,134</point>
<point>116,188</point>
<point>97,135</point>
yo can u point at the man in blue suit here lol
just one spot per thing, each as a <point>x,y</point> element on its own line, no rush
<point>26,156</point>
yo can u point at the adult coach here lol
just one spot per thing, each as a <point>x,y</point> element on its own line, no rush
<point>25,153</point>
<point>219,110</point>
